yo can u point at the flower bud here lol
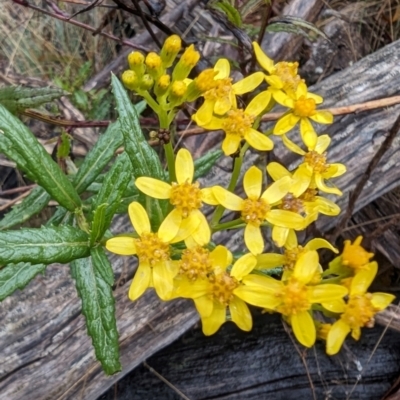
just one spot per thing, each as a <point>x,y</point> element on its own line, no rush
<point>177,93</point>
<point>130,80</point>
<point>169,51</point>
<point>162,85</point>
<point>154,65</point>
<point>136,63</point>
<point>188,60</point>
<point>147,82</point>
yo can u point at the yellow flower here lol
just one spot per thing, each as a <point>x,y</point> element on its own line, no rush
<point>294,298</point>
<point>219,92</point>
<point>303,108</point>
<point>186,197</point>
<point>213,288</point>
<point>354,255</point>
<point>282,75</point>
<point>237,125</point>
<point>257,207</point>
<point>359,311</point>
<point>315,169</point>
<point>155,266</point>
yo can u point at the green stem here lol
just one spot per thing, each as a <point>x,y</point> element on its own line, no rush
<point>236,223</point>
<point>169,153</point>
<point>151,102</point>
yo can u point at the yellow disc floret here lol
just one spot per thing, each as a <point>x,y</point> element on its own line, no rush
<point>255,211</point>
<point>304,107</point>
<point>292,255</point>
<point>316,161</point>
<point>294,298</point>
<point>151,249</point>
<point>195,263</point>
<point>359,312</point>
<point>292,203</point>
<point>186,197</point>
<point>287,72</point>
<point>237,122</point>
<point>354,255</point>
<point>222,287</point>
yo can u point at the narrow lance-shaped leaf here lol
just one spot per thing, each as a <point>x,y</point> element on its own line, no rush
<point>98,307</point>
<point>17,98</point>
<point>114,185</point>
<point>45,245</point>
<point>30,205</point>
<point>98,224</point>
<point>203,164</point>
<point>42,168</point>
<point>102,264</point>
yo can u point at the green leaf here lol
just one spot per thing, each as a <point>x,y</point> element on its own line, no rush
<point>102,264</point>
<point>42,168</point>
<point>144,159</point>
<point>17,99</point>
<point>298,26</point>
<point>100,155</point>
<point>99,223</point>
<point>61,216</point>
<point>98,307</point>
<point>31,205</point>
<point>231,12</point>
<point>45,245</point>
<point>17,276</point>
<point>203,164</point>
<point>114,186</point>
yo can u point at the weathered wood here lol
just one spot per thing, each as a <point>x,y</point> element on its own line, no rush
<point>44,348</point>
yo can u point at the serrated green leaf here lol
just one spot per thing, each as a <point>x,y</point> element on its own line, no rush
<point>30,205</point>
<point>42,168</point>
<point>17,99</point>
<point>100,155</point>
<point>44,245</point>
<point>17,276</point>
<point>298,26</point>
<point>99,223</point>
<point>102,264</point>
<point>230,11</point>
<point>59,217</point>
<point>98,307</point>
<point>203,164</point>
<point>114,186</point>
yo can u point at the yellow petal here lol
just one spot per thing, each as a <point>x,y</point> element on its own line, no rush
<point>326,293</point>
<point>258,141</point>
<point>339,169</point>
<point>337,306</point>
<point>223,68</point>
<point>285,124</point>
<point>292,146</point>
<point>139,218</point>
<point>308,134</point>
<point>207,196</point>
<point>263,283</point>
<point>279,235</point>
<point>270,260</point>
<point>262,58</point>
<point>184,166</point>
<point>318,99</point>
<point>154,187</point>
<point>381,300</point>
<point>220,257</point>
<point>319,181</point>
<point>229,200</point>
<point>282,98</point>
<point>212,323</point>
<point>306,266</point>
<point>248,84</point>
<point>317,243</point>
<point>243,266</point>
<point>356,333</point>
<point>326,206</point>
<point>276,83</point>
<point>222,105</point>
<point>122,245</point>
<point>302,179</point>
<point>252,183</point>
<point>163,280</point>
<point>259,103</point>
<point>257,297</point>
<point>204,306</point>
<point>191,289</point>
<point>286,219</point>
<point>323,143</point>
<point>291,241</point>
<point>363,279</point>
<point>230,144</point>
<point>202,234</point>
<point>140,282</point>
<point>253,239</point>
<point>301,90</point>
<point>204,114</point>
<point>240,314</point>
<point>187,227</point>
<point>277,190</point>
<point>277,171</point>
<point>322,117</point>
<point>170,226</point>
<point>304,328</point>
<point>336,336</point>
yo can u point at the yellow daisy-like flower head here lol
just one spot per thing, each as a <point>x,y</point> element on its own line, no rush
<point>219,92</point>
<point>359,311</point>
<point>355,256</point>
<point>237,125</point>
<point>294,298</point>
<point>303,108</point>
<point>258,207</point>
<point>187,199</point>
<point>155,266</point>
